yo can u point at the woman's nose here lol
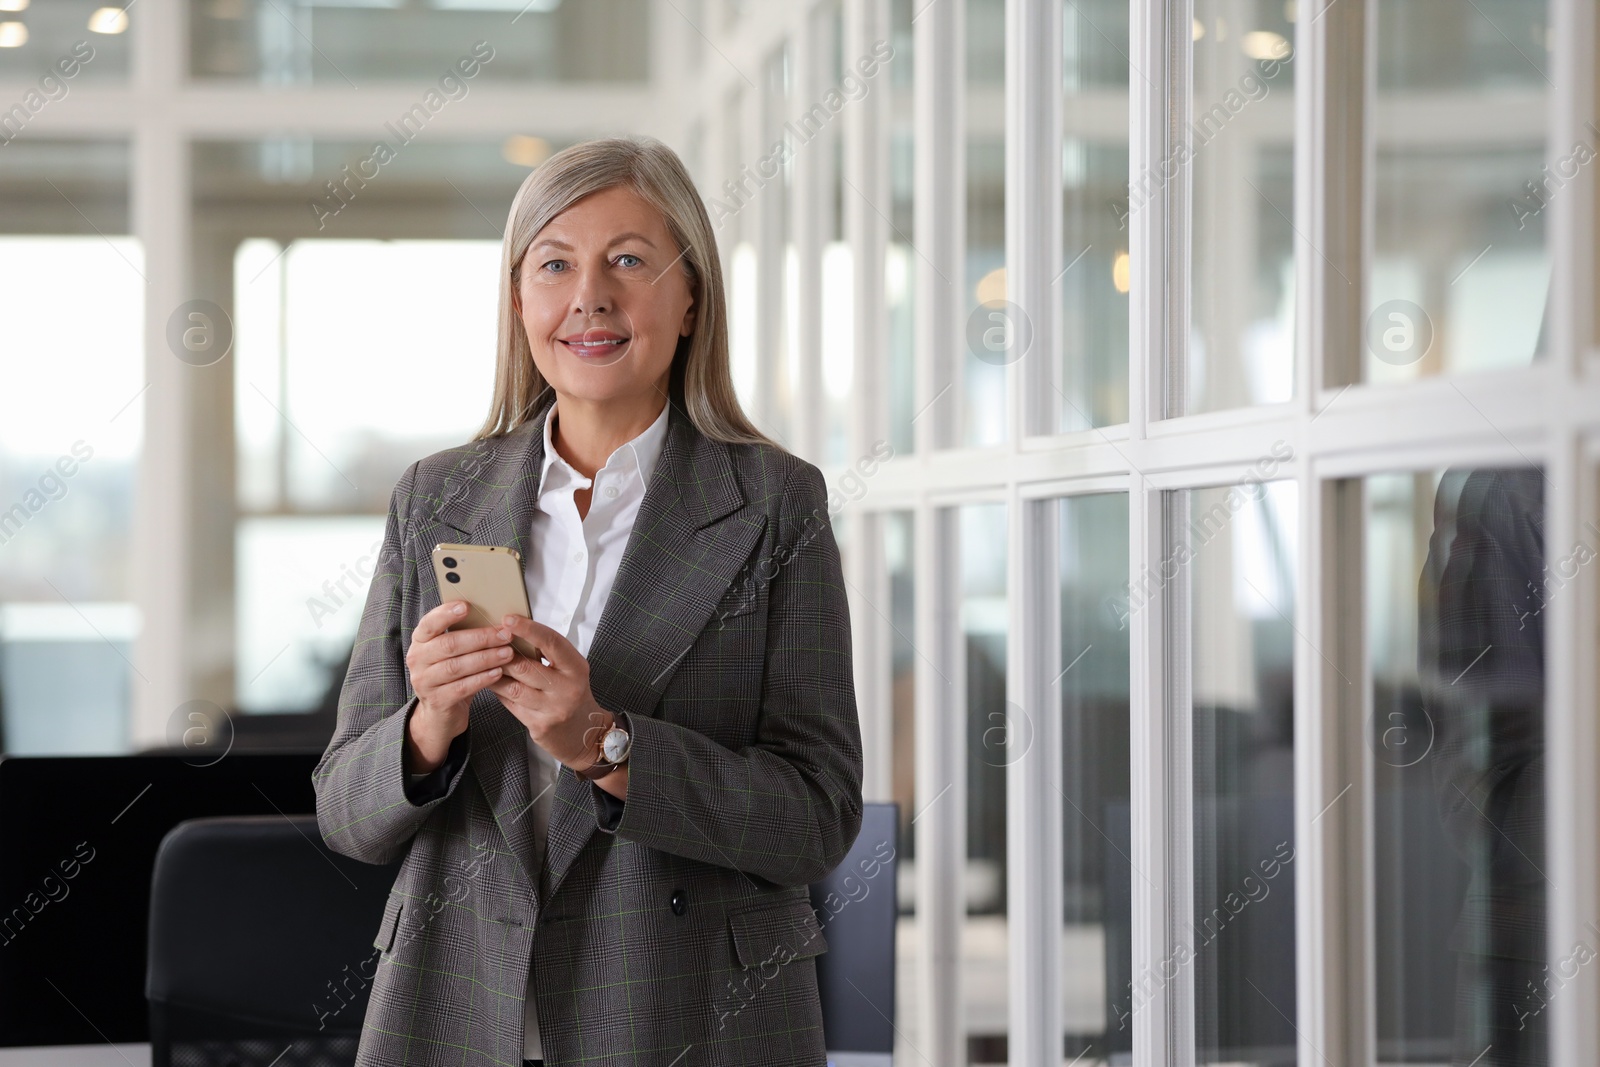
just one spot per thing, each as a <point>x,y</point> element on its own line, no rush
<point>594,294</point>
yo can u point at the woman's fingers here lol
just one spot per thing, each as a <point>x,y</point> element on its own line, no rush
<point>449,666</point>
<point>551,644</point>
<point>451,643</point>
<point>523,668</point>
<point>472,662</point>
<point>438,620</point>
<point>462,689</point>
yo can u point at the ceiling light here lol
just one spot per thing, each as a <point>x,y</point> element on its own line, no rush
<point>992,288</point>
<point>525,151</point>
<point>108,20</point>
<point>1264,45</point>
<point>13,35</point>
<point>13,5</point>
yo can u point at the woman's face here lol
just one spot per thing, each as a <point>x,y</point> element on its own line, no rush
<point>604,298</point>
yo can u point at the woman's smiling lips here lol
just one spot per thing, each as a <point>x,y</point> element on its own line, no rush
<point>595,342</point>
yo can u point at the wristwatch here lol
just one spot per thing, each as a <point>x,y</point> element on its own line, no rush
<point>614,749</point>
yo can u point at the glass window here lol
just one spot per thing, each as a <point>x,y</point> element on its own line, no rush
<point>993,725</point>
<point>445,46</point>
<point>899,551</point>
<point>1237,547</point>
<point>1240,146</point>
<point>1456,586</point>
<point>48,47</point>
<point>900,257</point>
<point>327,271</point>
<point>741,264</point>
<point>1460,277</point>
<point>991,335</point>
<point>1097,932</point>
<point>783,277</point>
<point>1093,363</point>
<point>838,260</point>
<point>71,431</point>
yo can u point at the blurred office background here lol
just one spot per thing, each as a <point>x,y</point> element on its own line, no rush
<point>1111,679</point>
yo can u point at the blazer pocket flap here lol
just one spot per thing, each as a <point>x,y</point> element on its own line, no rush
<point>384,942</point>
<point>742,597</point>
<point>769,934</point>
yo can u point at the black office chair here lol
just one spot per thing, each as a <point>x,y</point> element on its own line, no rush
<point>857,906</point>
<point>260,945</point>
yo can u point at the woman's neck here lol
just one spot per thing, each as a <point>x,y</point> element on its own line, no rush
<point>586,433</point>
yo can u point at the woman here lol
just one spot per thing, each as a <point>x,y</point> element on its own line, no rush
<point>607,848</point>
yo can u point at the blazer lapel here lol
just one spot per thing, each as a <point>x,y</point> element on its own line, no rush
<point>691,537</point>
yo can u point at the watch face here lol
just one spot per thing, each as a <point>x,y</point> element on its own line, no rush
<point>615,745</point>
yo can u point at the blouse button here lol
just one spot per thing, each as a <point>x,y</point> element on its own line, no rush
<point>611,490</point>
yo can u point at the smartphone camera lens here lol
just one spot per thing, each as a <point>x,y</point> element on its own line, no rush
<point>448,561</point>
<point>452,577</point>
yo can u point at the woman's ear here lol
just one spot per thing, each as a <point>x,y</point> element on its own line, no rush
<point>688,320</point>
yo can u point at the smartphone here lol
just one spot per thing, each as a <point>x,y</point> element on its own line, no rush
<point>489,579</point>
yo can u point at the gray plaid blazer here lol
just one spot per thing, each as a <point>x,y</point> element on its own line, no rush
<point>672,928</point>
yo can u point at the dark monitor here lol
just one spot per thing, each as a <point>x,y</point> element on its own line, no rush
<point>857,907</point>
<point>78,839</point>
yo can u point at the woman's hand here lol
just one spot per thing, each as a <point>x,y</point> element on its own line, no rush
<point>447,668</point>
<point>554,702</point>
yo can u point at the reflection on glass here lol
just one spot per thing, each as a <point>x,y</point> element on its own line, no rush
<point>1097,959</point>
<point>1460,272</point>
<point>356,42</point>
<point>1093,362</point>
<point>900,257</point>
<point>992,727</point>
<point>1457,583</point>
<point>71,430</point>
<point>1240,548</point>
<point>1240,146</point>
<point>899,551</point>
<point>990,337</point>
<point>50,46</point>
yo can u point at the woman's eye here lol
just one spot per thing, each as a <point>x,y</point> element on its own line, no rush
<point>552,263</point>
<point>629,255</point>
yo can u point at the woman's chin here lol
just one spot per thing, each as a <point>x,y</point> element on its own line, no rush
<point>591,389</point>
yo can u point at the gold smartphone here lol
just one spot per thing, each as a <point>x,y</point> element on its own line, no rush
<point>489,579</point>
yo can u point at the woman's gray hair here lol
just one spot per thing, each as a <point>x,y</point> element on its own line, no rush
<point>700,379</point>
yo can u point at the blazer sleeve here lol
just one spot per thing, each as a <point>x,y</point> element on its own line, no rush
<point>365,805</point>
<point>788,807</point>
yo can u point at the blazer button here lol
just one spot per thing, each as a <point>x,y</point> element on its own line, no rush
<point>680,902</point>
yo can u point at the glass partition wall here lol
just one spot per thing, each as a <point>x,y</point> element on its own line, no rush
<point>1178,331</point>
<point>1198,386</point>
